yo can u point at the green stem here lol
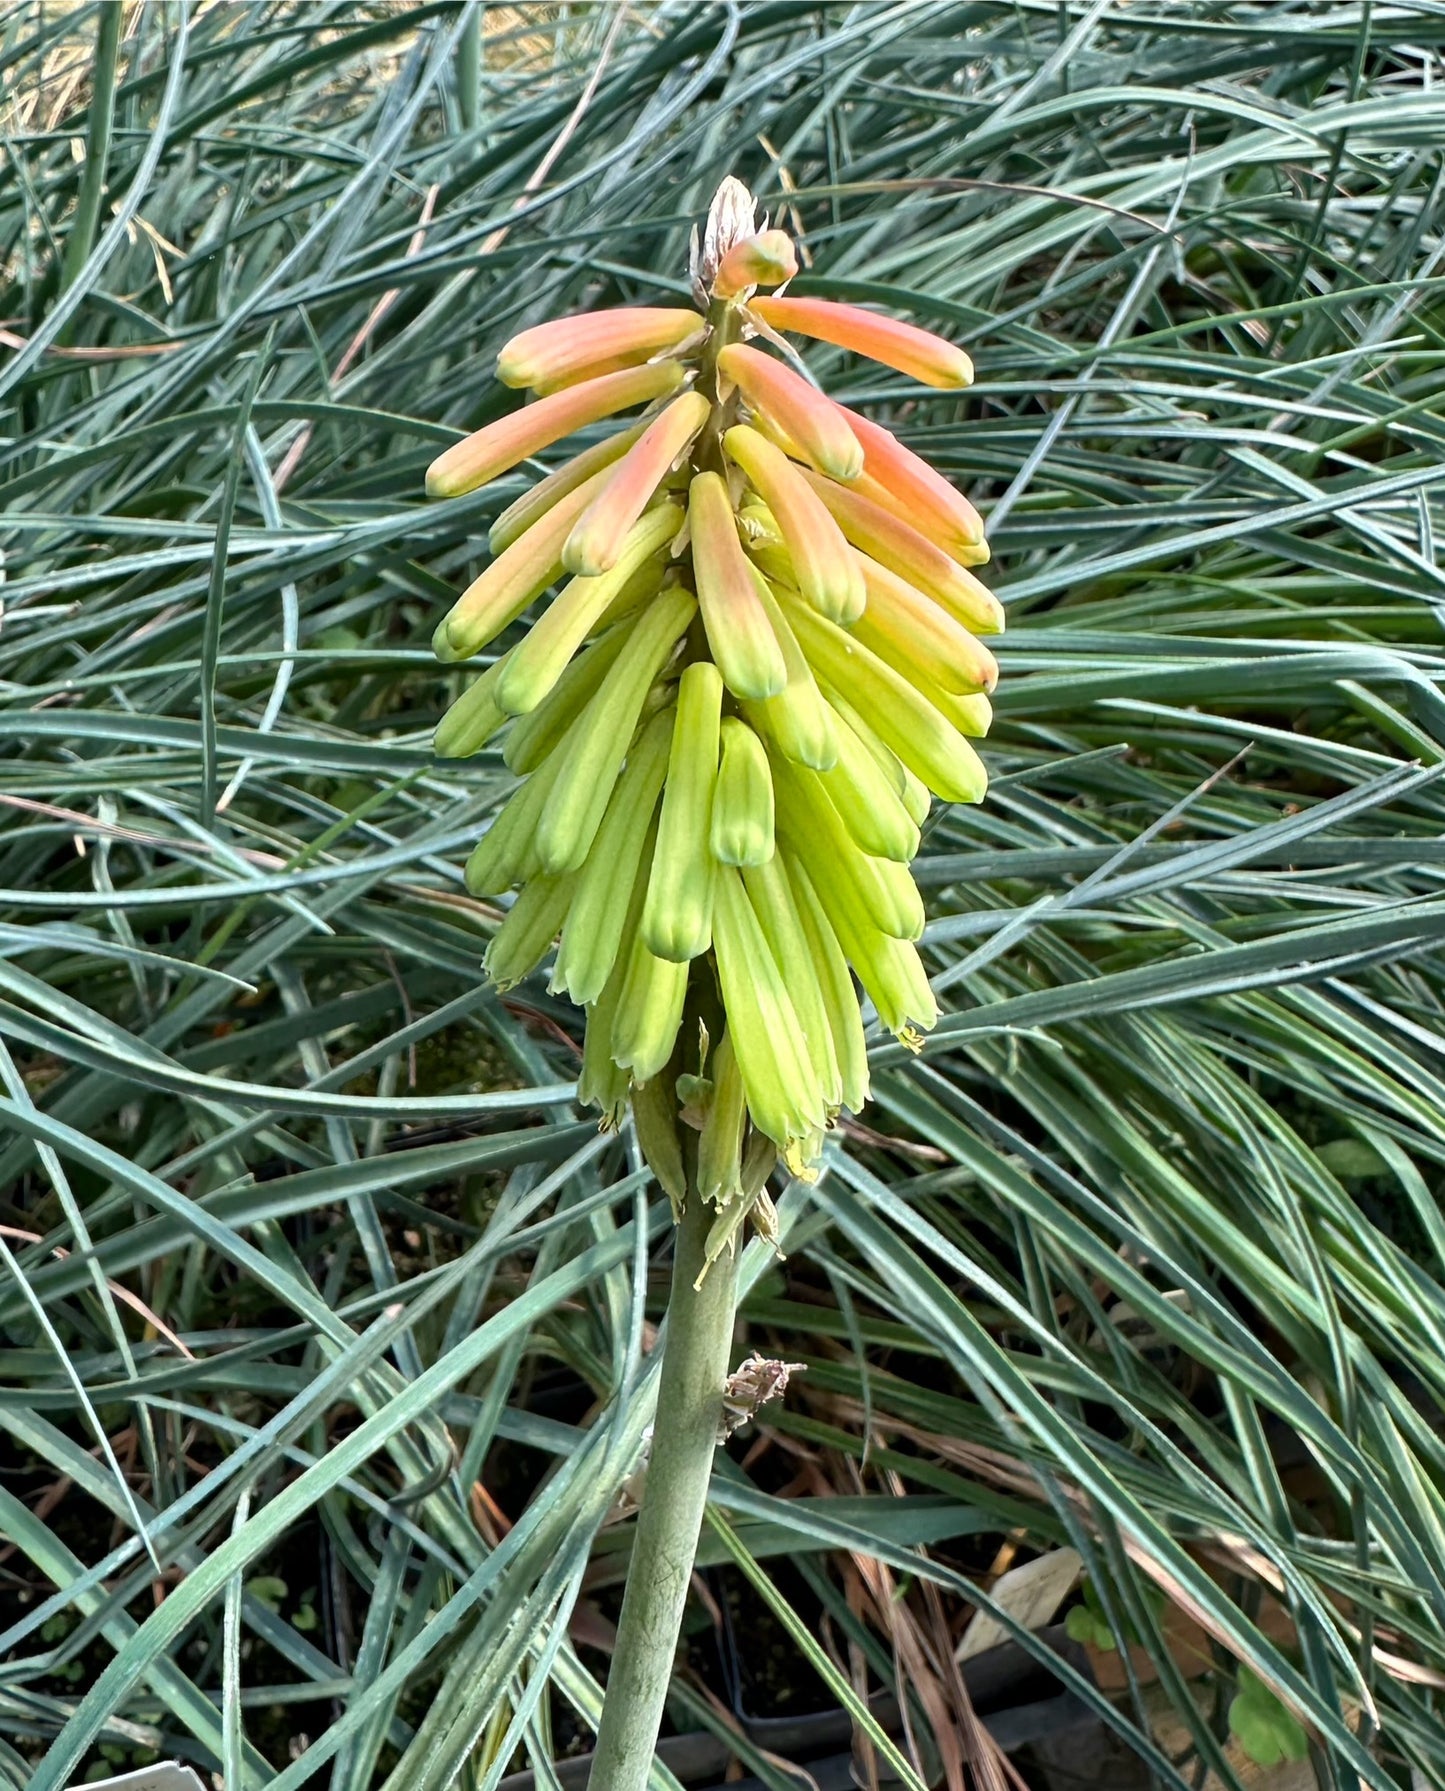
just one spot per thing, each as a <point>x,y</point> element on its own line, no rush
<point>725,327</point>
<point>97,144</point>
<point>697,1348</point>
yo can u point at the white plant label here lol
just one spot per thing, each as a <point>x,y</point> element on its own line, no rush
<point>165,1775</point>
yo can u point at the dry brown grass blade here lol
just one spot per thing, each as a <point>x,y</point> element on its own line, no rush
<point>129,351</point>
<point>121,1292</point>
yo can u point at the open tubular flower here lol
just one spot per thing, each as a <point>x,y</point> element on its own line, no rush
<point>759,662</point>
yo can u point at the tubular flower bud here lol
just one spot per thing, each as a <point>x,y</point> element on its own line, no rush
<point>719,1150</point>
<point>567,347</point>
<point>766,259</point>
<point>595,922</point>
<point>776,907</point>
<point>473,719</point>
<point>512,581</point>
<point>677,916</point>
<point>596,746</point>
<point>902,549</point>
<point>534,736</point>
<point>742,806</point>
<point>918,353</point>
<point>539,500</point>
<point>595,545</point>
<point>522,940</point>
<point>908,629</point>
<point>867,803</point>
<point>535,664</point>
<point>480,458</point>
<point>826,573</point>
<point>797,718</point>
<point>902,718</point>
<point>782,1090</point>
<point>649,1011</point>
<point>909,485</point>
<point>753,655</point>
<point>806,415</point>
<point>738,629</point>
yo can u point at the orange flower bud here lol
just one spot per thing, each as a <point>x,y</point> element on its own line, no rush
<point>887,538</point>
<point>595,544</point>
<point>916,516</point>
<point>914,489</point>
<point>766,259</point>
<point>804,414</point>
<point>921,508</point>
<point>561,350</point>
<point>918,353</point>
<point>617,363</point>
<point>475,461</point>
<point>538,499</point>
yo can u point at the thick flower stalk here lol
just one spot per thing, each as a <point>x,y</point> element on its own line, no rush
<point>759,663</point>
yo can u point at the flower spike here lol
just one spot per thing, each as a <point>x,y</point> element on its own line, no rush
<point>736,649</point>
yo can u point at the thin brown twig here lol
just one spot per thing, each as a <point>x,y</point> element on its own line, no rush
<point>991,1766</point>
<point>486,912</point>
<point>860,1134</point>
<point>83,823</point>
<point>42,1508</point>
<point>1003,1470</point>
<point>584,99</point>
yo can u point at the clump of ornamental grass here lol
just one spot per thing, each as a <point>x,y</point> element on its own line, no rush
<point>762,665</point>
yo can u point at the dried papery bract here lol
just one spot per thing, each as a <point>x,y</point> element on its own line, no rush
<point>758,664</point>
